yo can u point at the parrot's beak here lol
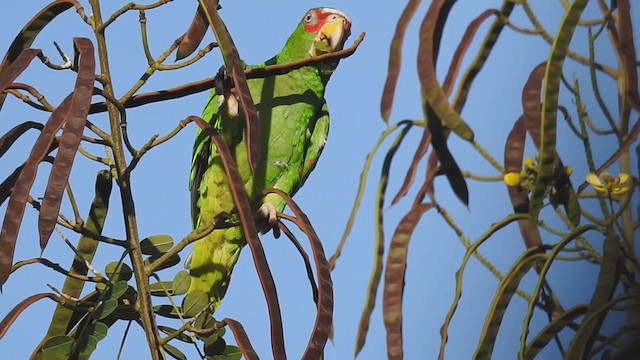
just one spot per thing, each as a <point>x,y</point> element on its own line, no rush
<point>334,34</point>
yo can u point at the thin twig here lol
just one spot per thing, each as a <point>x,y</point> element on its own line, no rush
<point>98,131</point>
<point>74,206</point>
<point>93,157</point>
<point>123,118</point>
<point>482,178</point>
<point>25,98</point>
<point>199,55</point>
<point>35,93</point>
<point>187,325</point>
<point>56,267</point>
<point>45,60</point>
<point>129,100</point>
<point>130,6</point>
<point>197,234</point>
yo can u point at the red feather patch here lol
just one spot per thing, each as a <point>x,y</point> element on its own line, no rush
<point>322,16</point>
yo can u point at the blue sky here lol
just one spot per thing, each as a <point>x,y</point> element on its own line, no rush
<point>162,200</point>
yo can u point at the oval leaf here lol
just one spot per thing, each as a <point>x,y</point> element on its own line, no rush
<point>156,245</point>
<point>99,330</point>
<point>194,302</point>
<point>164,288</point>
<point>169,331</point>
<point>117,290</point>
<point>214,345</point>
<point>87,347</point>
<point>57,347</point>
<point>181,283</point>
<point>172,261</point>
<point>167,311</point>
<point>118,271</point>
<point>107,308</point>
<point>174,352</point>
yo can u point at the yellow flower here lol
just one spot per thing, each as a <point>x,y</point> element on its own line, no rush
<point>526,177</point>
<point>609,184</point>
<point>530,164</point>
<point>512,179</point>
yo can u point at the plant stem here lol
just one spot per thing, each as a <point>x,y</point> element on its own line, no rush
<point>142,281</point>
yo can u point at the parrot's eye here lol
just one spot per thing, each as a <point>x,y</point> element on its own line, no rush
<point>309,18</point>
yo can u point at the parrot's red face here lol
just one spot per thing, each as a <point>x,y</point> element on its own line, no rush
<point>330,26</point>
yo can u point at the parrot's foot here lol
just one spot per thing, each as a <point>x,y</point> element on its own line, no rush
<point>267,219</point>
<point>222,81</point>
<point>224,88</point>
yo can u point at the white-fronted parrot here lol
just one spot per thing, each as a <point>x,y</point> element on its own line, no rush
<point>294,123</point>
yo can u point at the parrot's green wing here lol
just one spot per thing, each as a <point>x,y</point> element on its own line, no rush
<point>202,155</point>
<point>317,141</point>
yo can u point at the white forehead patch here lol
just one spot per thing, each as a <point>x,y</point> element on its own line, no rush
<point>337,12</point>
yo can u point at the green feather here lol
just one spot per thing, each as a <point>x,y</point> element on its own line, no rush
<point>294,127</point>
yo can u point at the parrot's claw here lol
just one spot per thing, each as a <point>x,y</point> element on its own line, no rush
<point>224,89</point>
<point>222,81</point>
<point>267,219</point>
<point>187,261</point>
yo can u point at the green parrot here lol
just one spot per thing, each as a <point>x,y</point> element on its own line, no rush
<point>294,122</point>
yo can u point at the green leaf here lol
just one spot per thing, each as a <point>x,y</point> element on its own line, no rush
<point>230,353</point>
<point>194,302</point>
<point>107,307</point>
<point>101,287</point>
<point>172,261</point>
<point>57,347</point>
<point>181,283</point>
<point>117,290</point>
<point>167,311</point>
<point>169,330</point>
<point>163,288</point>
<point>174,352</point>
<point>206,321</point>
<point>99,330</point>
<point>214,345</point>
<point>118,271</point>
<point>156,245</point>
<point>89,347</point>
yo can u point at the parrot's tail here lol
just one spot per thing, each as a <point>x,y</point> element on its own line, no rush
<point>213,260</point>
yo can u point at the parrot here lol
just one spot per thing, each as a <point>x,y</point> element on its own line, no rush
<point>294,123</point>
